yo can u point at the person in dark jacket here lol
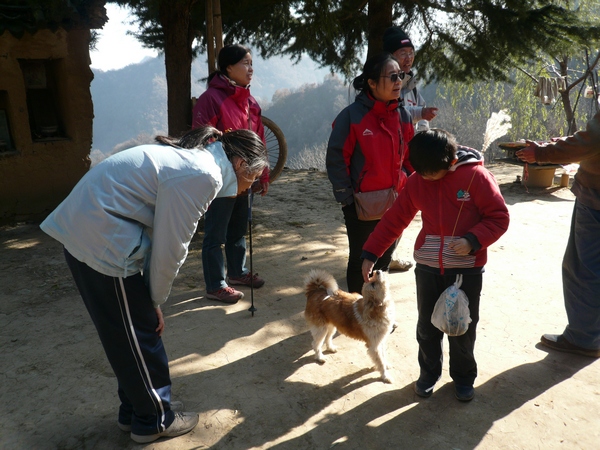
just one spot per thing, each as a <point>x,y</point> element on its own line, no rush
<point>397,42</point>
<point>367,151</point>
<point>227,105</point>
<point>463,213</point>
<point>581,263</point>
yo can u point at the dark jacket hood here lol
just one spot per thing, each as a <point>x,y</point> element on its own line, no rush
<point>467,155</point>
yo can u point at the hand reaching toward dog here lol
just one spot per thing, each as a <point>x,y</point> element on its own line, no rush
<point>367,268</point>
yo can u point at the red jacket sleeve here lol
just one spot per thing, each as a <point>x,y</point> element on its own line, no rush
<point>492,209</point>
<point>392,224</point>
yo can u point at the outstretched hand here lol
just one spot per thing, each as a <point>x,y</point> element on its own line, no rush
<point>429,113</point>
<point>367,268</point>
<point>527,154</point>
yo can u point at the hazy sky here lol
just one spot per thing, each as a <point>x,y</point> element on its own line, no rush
<point>115,49</point>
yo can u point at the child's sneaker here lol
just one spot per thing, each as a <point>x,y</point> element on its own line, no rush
<point>464,393</point>
<point>247,280</point>
<point>225,295</point>
<point>423,389</point>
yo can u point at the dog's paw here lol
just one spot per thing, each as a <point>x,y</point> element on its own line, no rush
<point>332,349</point>
<point>319,358</point>
<point>386,379</point>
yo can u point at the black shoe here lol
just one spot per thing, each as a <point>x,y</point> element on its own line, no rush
<point>560,343</point>
<point>464,393</point>
<point>423,389</point>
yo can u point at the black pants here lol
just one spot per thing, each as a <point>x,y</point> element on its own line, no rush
<point>358,232</point>
<point>125,319</point>
<point>463,368</point>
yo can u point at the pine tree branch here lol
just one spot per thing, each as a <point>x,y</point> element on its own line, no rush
<point>587,73</point>
<point>528,74</point>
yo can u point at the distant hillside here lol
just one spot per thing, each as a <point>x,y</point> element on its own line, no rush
<point>130,104</point>
<point>305,114</point>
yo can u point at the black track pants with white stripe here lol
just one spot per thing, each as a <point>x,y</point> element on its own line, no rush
<point>125,319</point>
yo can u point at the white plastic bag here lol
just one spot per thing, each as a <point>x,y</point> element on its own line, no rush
<point>451,312</point>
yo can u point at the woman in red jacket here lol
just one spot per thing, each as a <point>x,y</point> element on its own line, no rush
<point>227,105</point>
<point>367,152</point>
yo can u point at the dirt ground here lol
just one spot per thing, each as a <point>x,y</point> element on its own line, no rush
<point>253,379</point>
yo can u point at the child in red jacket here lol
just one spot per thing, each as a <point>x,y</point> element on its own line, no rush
<point>463,213</point>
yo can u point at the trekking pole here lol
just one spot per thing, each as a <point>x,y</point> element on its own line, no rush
<point>250,199</point>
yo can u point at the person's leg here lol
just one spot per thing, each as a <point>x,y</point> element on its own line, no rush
<point>463,367</point>
<point>216,222</point>
<point>125,320</point>
<point>357,231</point>
<point>429,288</point>
<point>383,263</point>
<point>581,279</point>
<point>235,245</point>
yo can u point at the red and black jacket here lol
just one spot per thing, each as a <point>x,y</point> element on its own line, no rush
<point>368,148</point>
<point>466,203</point>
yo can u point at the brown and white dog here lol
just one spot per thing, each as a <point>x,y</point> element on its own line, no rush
<point>369,318</point>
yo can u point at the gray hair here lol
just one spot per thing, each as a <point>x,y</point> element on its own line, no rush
<point>245,144</point>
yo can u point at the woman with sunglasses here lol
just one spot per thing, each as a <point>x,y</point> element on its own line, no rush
<point>367,150</point>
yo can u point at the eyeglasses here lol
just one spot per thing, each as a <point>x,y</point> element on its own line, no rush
<point>395,76</point>
<point>402,55</point>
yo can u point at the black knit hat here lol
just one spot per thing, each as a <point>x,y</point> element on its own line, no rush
<point>395,38</point>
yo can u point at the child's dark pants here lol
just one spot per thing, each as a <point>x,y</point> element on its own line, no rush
<point>463,368</point>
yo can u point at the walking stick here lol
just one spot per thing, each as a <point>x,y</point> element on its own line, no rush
<point>250,199</point>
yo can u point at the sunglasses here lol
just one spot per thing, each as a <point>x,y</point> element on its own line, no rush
<point>395,76</point>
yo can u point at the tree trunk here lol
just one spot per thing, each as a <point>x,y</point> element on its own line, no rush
<point>218,26</point>
<point>214,33</point>
<point>175,21</point>
<point>210,38</point>
<point>380,18</point>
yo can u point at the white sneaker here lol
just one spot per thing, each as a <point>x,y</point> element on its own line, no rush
<point>176,406</point>
<point>184,423</point>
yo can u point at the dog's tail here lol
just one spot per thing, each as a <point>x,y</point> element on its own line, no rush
<point>320,280</point>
